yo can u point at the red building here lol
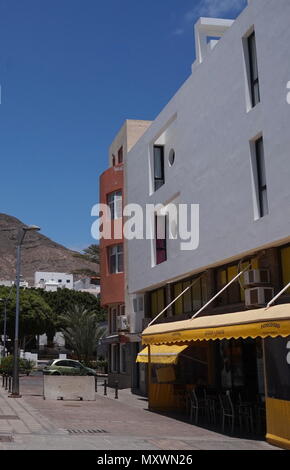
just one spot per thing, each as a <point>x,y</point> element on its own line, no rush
<point>113,255</point>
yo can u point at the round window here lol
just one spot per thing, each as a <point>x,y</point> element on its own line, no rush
<point>171,157</point>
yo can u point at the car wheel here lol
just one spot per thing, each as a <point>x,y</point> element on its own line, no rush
<point>56,373</point>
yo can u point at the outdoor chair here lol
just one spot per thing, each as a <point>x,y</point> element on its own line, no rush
<point>245,415</point>
<point>227,410</point>
<point>197,407</point>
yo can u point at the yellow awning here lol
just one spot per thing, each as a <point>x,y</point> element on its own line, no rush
<point>275,321</point>
<point>164,354</point>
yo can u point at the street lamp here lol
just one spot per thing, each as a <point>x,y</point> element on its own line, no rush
<point>15,384</point>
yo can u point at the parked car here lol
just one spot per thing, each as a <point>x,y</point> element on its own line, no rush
<point>67,367</point>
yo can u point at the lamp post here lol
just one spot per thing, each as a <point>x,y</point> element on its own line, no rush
<point>21,234</point>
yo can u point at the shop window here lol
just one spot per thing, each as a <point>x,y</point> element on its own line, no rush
<point>285,263</point>
<point>187,300</point>
<point>232,294</point>
<point>178,305</point>
<point>196,296</point>
<point>157,301</point>
<point>190,301</point>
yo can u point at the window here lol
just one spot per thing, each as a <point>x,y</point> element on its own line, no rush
<point>68,281</point>
<point>113,320</point>
<point>122,358</point>
<point>235,292</point>
<point>253,70</point>
<point>116,259</point>
<point>113,160</point>
<point>160,238</point>
<point>171,157</point>
<point>115,358</point>
<point>285,262</point>
<point>232,294</point>
<point>261,178</point>
<point>114,201</point>
<point>158,166</point>
<point>157,301</point>
<point>192,300</point>
<point>120,155</point>
<point>60,280</point>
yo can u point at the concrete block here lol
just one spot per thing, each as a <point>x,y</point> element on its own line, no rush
<point>69,388</point>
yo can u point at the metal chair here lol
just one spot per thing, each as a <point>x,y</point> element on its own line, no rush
<point>227,410</point>
<point>197,406</point>
<point>193,406</point>
<point>245,415</point>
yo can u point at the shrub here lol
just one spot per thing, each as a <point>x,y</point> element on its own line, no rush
<point>6,366</point>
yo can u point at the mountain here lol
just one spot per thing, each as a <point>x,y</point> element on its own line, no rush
<point>39,253</point>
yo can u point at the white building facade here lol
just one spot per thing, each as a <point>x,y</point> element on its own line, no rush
<point>52,281</point>
<point>222,143</point>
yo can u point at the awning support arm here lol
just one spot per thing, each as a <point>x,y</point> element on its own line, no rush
<point>277,296</point>
<point>176,298</point>
<point>222,290</point>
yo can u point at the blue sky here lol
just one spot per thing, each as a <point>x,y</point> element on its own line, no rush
<point>71,71</point>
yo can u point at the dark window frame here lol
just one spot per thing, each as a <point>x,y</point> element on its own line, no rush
<point>159,180</point>
<point>120,155</point>
<point>262,185</point>
<point>253,65</point>
<point>161,243</point>
<point>183,282</point>
<point>117,256</point>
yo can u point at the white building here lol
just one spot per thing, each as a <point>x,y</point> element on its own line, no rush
<point>222,142</point>
<point>52,281</point>
<point>88,285</point>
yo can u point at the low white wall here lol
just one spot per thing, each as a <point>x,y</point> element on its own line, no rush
<point>69,387</point>
<point>29,356</point>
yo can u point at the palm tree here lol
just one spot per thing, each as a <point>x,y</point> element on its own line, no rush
<point>93,253</point>
<point>82,331</point>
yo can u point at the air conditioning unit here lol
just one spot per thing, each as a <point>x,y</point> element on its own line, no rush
<point>257,276</point>
<point>122,323</point>
<point>257,296</point>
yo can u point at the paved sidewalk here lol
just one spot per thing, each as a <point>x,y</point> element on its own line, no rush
<point>106,424</point>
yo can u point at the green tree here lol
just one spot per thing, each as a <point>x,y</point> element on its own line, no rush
<point>81,331</point>
<point>35,314</point>
<point>64,300</point>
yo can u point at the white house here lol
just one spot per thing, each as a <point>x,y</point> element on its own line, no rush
<point>51,281</point>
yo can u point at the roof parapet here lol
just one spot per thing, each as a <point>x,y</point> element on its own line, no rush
<point>208,28</point>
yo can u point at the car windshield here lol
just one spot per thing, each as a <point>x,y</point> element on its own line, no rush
<point>50,363</point>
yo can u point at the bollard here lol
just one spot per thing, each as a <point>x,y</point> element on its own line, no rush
<point>116,389</point>
<point>3,378</point>
<point>10,384</point>
<point>6,382</point>
<point>96,383</point>
<point>105,387</point>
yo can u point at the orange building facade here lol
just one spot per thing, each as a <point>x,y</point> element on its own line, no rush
<point>120,348</point>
